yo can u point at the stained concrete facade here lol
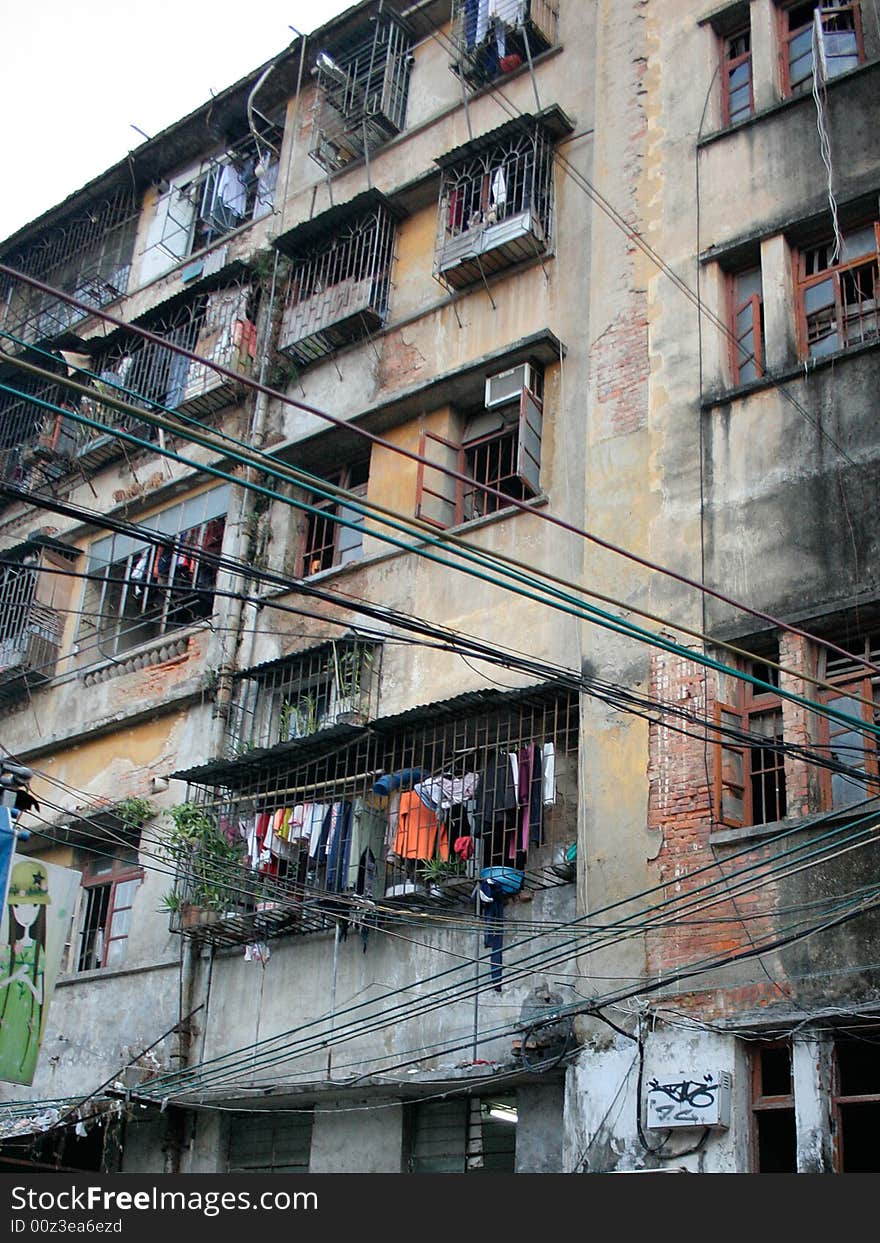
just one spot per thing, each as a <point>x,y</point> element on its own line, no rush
<point>650,442</point>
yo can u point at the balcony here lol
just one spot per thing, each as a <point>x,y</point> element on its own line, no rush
<point>338,287</point>
<point>489,45</point>
<point>88,257</point>
<point>363,824</point>
<point>29,648</point>
<point>360,93</point>
<point>496,200</point>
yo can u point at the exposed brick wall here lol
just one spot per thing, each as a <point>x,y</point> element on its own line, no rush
<point>680,809</point>
<point>619,356</point>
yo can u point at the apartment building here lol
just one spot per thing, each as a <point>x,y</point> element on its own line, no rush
<point>438,603</point>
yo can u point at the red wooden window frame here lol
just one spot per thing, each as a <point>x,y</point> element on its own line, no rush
<point>734,763</point>
<point>787,35</point>
<point>463,501</point>
<point>736,306</point>
<point>328,552</point>
<point>729,65</point>
<point>120,872</point>
<point>836,273</point>
<point>840,1100</point>
<point>762,1103</point>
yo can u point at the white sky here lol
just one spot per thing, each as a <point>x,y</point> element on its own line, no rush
<point>77,76</point>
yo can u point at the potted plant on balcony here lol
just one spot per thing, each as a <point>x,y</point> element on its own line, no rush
<point>353,668</point>
<point>206,864</point>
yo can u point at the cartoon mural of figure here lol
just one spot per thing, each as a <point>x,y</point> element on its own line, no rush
<point>22,972</point>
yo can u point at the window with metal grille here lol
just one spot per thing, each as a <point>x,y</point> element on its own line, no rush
<point>101,934</point>
<point>749,760</point>
<point>361,89</point>
<point>774,1139</point>
<point>737,97</point>
<point>334,683</point>
<point>465,1135</point>
<point>335,532</point>
<point>31,623</point>
<point>832,29</point>
<point>140,591</point>
<point>838,292</point>
<point>87,256</point>
<point>225,192</point>
<point>747,324</point>
<point>496,200</point>
<point>499,448</point>
<point>271,1142</point>
<point>490,40</point>
<point>338,287</point>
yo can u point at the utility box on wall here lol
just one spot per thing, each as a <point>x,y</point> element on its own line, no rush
<point>677,1100</point>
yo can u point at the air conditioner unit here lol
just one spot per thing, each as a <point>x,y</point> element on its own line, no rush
<point>507,386</point>
<point>681,1099</point>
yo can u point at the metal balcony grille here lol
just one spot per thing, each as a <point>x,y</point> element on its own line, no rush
<point>231,189</point>
<point>338,291</point>
<point>492,40</point>
<point>88,257</point>
<point>360,94</point>
<point>39,446</point>
<point>329,827</point>
<point>495,206</point>
<point>336,683</point>
<point>30,632</point>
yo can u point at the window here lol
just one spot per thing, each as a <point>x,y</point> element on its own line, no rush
<point>144,590</point>
<point>858,695</point>
<point>773,1119</point>
<point>499,448</point>
<point>838,292</point>
<point>338,287</point>
<point>834,28</point>
<point>491,40</point>
<point>496,200</point>
<point>857,1102</point>
<point>464,1136</point>
<point>101,936</point>
<point>736,77</point>
<point>270,1143</point>
<point>30,627</point>
<point>750,774</point>
<point>747,325</point>
<point>88,256</point>
<point>360,92</point>
<point>335,683</point>
<point>221,193</point>
<point>328,542</point>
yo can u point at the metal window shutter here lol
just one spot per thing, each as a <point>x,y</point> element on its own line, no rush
<point>438,1137</point>
<point>270,1143</point>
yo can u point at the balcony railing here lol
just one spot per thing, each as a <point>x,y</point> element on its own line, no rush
<point>338,291</point>
<point>360,94</point>
<point>29,646</point>
<point>89,257</point>
<point>495,205</point>
<point>493,40</point>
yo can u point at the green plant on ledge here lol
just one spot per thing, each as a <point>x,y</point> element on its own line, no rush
<point>205,861</point>
<point>133,812</point>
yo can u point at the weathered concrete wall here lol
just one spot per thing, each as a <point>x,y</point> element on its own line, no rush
<point>358,1140</point>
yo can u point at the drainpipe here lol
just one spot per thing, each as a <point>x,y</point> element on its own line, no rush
<point>238,550</point>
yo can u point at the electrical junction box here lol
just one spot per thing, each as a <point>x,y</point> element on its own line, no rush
<point>686,1100</point>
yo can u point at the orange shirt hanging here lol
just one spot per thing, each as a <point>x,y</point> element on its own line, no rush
<point>420,835</point>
